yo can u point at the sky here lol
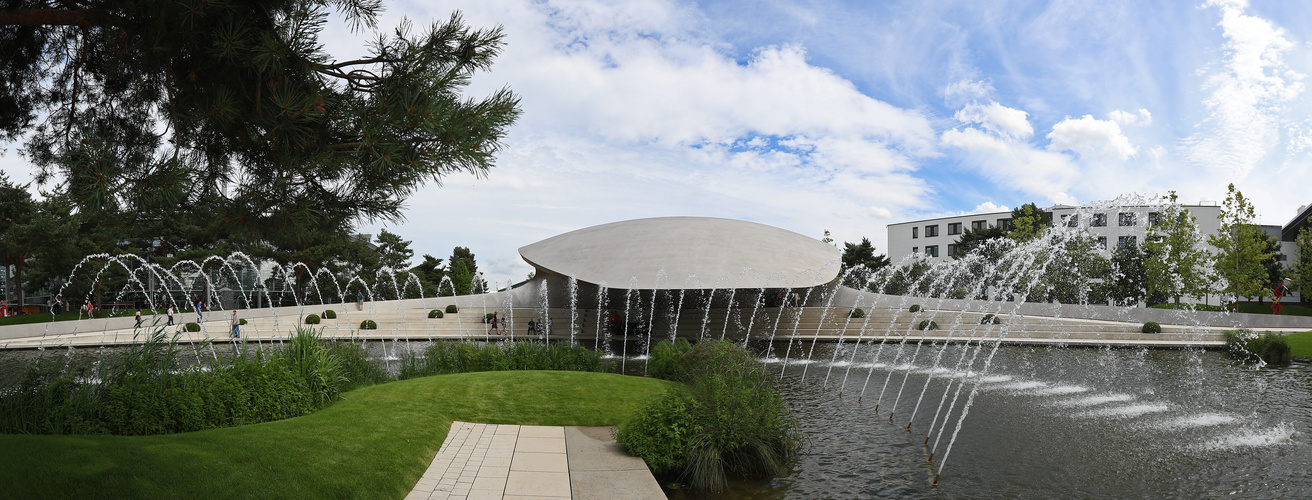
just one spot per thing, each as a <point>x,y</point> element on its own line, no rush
<point>848,116</point>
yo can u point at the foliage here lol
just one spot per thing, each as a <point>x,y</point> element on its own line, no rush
<point>728,421</point>
<point>1127,284</point>
<point>914,308</point>
<point>860,264</point>
<point>452,309</point>
<point>463,271</point>
<point>192,327</point>
<point>1301,270</point>
<point>368,324</point>
<point>459,357</point>
<point>666,360</point>
<point>307,357</point>
<point>990,318</point>
<point>312,319</point>
<point>1270,348</point>
<point>926,325</point>
<point>972,239</point>
<point>1151,327</point>
<point>1028,222</point>
<point>1247,308</point>
<point>1069,273</point>
<point>1300,344</point>
<point>393,252</point>
<point>1240,250</point>
<point>430,273</point>
<point>857,313</point>
<point>329,314</point>
<point>241,321</point>
<point>435,313</point>
<point>1175,264</point>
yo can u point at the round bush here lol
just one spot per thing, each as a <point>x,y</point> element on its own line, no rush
<point>1151,327</point>
<point>368,324</point>
<point>915,308</point>
<point>990,318</point>
<point>487,318</point>
<point>312,319</point>
<point>330,314</point>
<point>452,309</point>
<point>927,325</point>
<point>857,313</point>
<point>241,321</point>
<point>193,327</point>
<point>435,313</point>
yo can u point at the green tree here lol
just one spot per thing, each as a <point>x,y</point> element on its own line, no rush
<point>1176,264</point>
<point>860,263</point>
<point>972,239</point>
<point>467,282</point>
<point>393,252</point>
<point>461,278</point>
<point>1275,272</point>
<point>1240,250</point>
<point>1127,284</point>
<point>1074,264</point>
<point>430,273</point>
<point>1301,270</point>
<point>233,111</point>
<point>1028,222</point>
<point>17,235</point>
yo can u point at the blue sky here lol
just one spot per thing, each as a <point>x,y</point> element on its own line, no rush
<point>848,116</point>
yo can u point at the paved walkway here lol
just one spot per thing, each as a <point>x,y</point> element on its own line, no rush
<point>490,461</point>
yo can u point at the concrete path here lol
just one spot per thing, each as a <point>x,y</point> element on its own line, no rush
<point>490,461</point>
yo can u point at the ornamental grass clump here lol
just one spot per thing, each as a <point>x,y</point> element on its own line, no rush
<point>1248,346</point>
<point>728,420</point>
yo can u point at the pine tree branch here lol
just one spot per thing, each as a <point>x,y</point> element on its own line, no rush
<point>47,17</point>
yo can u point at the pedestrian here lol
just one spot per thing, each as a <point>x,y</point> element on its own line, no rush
<point>199,318</point>
<point>170,313</point>
<point>532,326</point>
<point>236,326</point>
<point>91,310</point>
<point>493,327</point>
<point>138,319</point>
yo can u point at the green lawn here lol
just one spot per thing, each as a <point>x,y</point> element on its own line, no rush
<point>1300,344</point>
<point>1288,310</point>
<point>373,443</point>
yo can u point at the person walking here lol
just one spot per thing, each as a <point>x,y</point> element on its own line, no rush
<point>199,318</point>
<point>170,313</point>
<point>359,301</point>
<point>138,319</point>
<point>493,328</point>
<point>236,326</point>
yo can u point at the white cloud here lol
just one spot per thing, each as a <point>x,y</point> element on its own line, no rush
<point>996,118</point>
<point>1091,138</point>
<point>1243,121</point>
<point>1016,165</point>
<point>989,207</point>
<point>967,90</point>
<point>1127,119</point>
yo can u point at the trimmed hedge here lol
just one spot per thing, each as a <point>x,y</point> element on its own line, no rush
<point>312,319</point>
<point>990,318</point>
<point>927,325</point>
<point>1151,327</point>
<point>1270,348</point>
<point>330,314</point>
<point>915,308</point>
<point>368,324</point>
<point>857,313</point>
<point>241,321</point>
<point>192,327</point>
<point>434,314</point>
<point>452,309</point>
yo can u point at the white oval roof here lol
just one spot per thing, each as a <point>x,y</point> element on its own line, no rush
<point>632,253</point>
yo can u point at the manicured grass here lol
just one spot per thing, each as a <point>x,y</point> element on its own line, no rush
<point>1300,344</point>
<point>1288,309</point>
<point>373,443</point>
<point>45,317</point>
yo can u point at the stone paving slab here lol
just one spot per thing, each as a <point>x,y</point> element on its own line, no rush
<point>490,461</point>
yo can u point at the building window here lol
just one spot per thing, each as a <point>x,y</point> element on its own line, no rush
<point>1280,257</point>
<point>1004,224</point>
<point>931,250</point>
<point>1152,218</point>
<point>931,231</point>
<point>952,250</point>
<point>954,228</point>
<point>915,232</point>
<point>1122,241</point>
<point>1070,220</point>
<point>1125,218</point>
<point>979,225</point>
<point>915,249</point>
<point>1102,242</point>
<point>1099,220</point>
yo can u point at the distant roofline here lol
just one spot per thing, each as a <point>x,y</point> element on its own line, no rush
<point>1048,209</point>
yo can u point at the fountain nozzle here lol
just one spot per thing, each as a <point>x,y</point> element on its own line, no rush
<point>908,426</point>
<point>931,457</point>
<point>935,480</point>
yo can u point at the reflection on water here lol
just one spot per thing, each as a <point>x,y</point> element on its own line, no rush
<point>1048,423</point>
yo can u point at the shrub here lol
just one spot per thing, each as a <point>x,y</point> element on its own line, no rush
<point>306,356</point>
<point>329,314</point>
<point>357,369</point>
<point>927,325</point>
<point>728,421</point>
<point>312,319</point>
<point>435,313</point>
<point>990,318</point>
<point>915,308</point>
<point>857,313</point>
<point>487,318</point>
<point>1270,348</point>
<point>666,360</point>
<point>368,324</point>
<point>241,321</point>
<point>464,356</point>
<point>1151,327</point>
<point>192,327</point>
<point>452,309</point>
